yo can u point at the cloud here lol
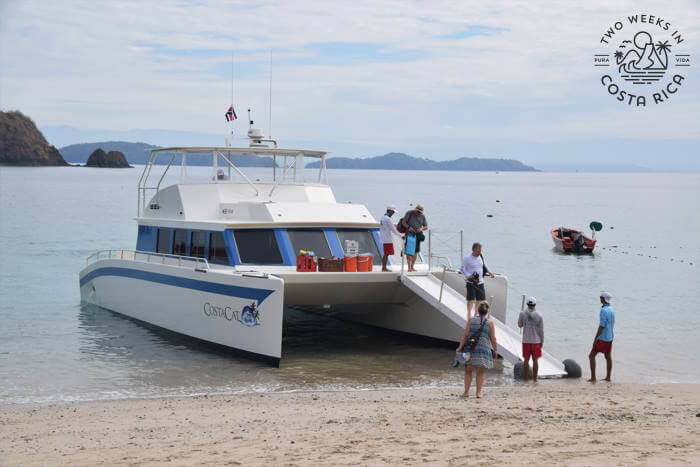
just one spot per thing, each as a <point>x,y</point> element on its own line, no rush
<point>377,73</point>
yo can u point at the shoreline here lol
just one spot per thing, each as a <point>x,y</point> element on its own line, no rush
<point>553,422</point>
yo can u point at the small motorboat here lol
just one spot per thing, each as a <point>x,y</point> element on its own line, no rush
<point>569,240</point>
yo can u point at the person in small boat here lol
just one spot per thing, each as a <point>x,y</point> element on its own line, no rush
<point>602,343</point>
<point>474,268</point>
<point>481,331</point>
<point>533,338</point>
<point>387,230</point>
<point>414,222</point>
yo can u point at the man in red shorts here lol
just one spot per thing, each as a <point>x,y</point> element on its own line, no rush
<point>533,337</point>
<point>602,343</point>
<point>386,231</point>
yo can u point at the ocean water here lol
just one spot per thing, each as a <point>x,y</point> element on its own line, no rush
<point>648,258</point>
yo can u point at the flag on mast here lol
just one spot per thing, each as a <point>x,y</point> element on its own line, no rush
<point>231,114</point>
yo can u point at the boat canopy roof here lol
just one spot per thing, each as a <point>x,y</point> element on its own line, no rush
<point>287,167</point>
<point>255,151</point>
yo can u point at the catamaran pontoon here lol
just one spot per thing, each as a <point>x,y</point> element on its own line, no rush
<point>216,260</point>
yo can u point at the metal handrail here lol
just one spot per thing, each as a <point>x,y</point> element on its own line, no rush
<point>119,254</point>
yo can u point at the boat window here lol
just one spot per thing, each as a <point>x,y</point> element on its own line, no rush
<point>257,247</point>
<point>365,240</point>
<point>198,243</point>
<point>180,242</point>
<point>163,242</point>
<point>217,249</point>
<point>310,239</point>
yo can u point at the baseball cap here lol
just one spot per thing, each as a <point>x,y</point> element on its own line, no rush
<point>391,207</point>
<point>605,296</point>
<point>531,301</point>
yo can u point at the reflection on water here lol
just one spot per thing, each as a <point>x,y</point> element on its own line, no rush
<point>319,352</point>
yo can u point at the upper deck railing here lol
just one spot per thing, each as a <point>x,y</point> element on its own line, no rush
<point>198,264</point>
<point>287,167</point>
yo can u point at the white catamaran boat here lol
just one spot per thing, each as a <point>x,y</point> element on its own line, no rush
<point>216,260</point>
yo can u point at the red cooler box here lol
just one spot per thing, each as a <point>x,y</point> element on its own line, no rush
<point>306,263</point>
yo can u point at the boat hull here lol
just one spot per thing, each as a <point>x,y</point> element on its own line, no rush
<point>240,312</point>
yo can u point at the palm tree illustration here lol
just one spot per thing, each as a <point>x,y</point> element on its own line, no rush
<point>618,56</point>
<point>664,47</point>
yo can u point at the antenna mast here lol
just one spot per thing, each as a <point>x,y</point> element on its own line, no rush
<point>269,129</point>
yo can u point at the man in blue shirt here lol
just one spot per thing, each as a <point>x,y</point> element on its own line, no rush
<point>604,337</point>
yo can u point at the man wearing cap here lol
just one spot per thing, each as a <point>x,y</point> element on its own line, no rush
<point>604,337</point>
<point>533,337</point>
<point>386,230</point>
<point>414,222</point>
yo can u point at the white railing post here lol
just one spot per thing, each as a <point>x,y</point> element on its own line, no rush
<point>442,282</point>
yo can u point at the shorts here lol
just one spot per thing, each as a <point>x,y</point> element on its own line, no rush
<point>603,347</point>
<point>388,248</point>
<point>532,350</point>
<point>476,291</point>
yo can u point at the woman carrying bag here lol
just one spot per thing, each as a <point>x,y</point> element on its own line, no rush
<point>479,341</point>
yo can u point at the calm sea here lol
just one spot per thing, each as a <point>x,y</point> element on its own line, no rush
<point>648,258</point>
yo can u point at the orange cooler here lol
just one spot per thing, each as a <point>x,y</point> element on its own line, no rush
<point>351,264</point>
<point>364,263</point>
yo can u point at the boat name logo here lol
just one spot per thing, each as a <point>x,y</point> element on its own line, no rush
<point>248,316</point>
<point>650,56</point>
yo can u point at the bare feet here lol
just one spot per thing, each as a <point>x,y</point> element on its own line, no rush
<point>607,379</point>
<point>592,380</point>
<point>385,270</point>
<point>465,395</point>
<point>478,396</point>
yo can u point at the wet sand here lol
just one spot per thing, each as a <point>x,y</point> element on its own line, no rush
<point>555,422</point>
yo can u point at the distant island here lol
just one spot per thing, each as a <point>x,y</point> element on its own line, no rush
<point>137,154</point>
<point>111,159</point>
<point>400,161</point>
<point>22,144</point>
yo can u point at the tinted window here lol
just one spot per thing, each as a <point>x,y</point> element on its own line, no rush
<point>197,244</point>
<point>364,238</point>
<point>257,247</point>
<point>163,245</point>
<point>314,240</point>
<point>217,249</point>
<point>180,243</point>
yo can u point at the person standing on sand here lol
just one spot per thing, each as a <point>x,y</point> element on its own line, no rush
<point>386,230</point>
<point>533,337</point>
<point>474,268</point>
<point>482,330</point>
<point>604,337</point>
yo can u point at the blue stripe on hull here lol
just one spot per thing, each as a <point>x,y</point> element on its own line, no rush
<point>222,289</point>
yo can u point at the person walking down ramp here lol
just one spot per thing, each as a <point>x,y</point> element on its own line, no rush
<point>533,337</point>
<point>386,231</point>
<point>474,268</point>
<point>479,340</point>
<point>604,337</point>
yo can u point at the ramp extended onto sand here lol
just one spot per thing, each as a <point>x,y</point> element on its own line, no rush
<point>452,304</point>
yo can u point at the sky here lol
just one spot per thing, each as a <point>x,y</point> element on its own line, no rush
<point>432,79</point>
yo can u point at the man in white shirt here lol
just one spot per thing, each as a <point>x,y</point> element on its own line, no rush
<point>474,268</point>
<point>386,230</point>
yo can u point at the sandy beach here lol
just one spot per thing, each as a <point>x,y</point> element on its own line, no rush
<point>556,422</point>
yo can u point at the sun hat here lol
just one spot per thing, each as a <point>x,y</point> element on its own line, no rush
<point>391,207</point>
<point>419,207</point>
<point>531,301</point>
<point>605,296</point>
